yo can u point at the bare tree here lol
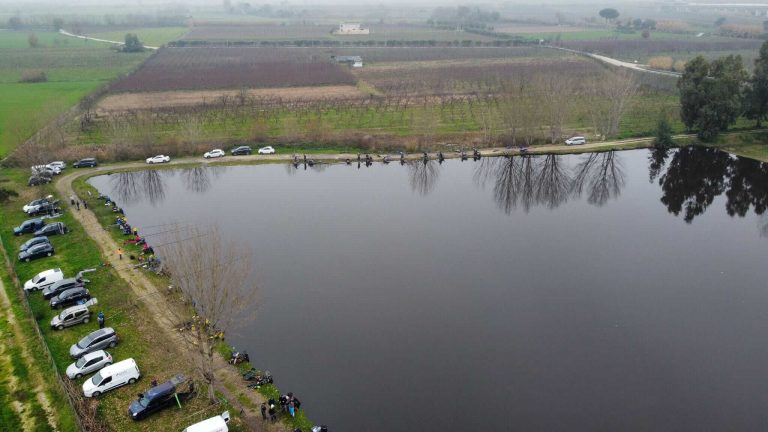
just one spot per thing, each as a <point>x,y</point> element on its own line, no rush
<point>556,101</point>
<point>608,98</point>
<point>212,276</point>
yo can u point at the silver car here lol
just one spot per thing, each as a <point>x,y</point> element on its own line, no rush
<point>88,363</point>
<point>94,341</point>
<point>70,316</point>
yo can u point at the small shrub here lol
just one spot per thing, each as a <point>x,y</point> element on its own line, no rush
<point>662,63</point>
<point>33,77</point>
<point>6,194</point>
<point>663,133</point>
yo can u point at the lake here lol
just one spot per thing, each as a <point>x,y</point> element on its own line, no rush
<point>604,291</point>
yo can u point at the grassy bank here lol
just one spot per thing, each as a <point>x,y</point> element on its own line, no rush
<point>124,311</point>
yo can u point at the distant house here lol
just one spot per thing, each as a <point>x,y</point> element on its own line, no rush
<point>354,61</point>
<point>352,29</point>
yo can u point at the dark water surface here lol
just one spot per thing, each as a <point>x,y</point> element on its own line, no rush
<point>611,291</point>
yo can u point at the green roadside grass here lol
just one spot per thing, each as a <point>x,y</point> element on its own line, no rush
<point>139,339</point>
<point>751,145</point>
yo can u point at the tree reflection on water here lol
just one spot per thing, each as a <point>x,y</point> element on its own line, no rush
<point>133,186</point>
<point>423,175</point>
<point>696,176</point>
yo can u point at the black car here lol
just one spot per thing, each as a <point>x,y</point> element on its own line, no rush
<point>85,163</point>
<point>28,226</point>
<point>32,242</point>
<point>58,287</point>
<point>52,229</point>
<point>161,396</point>
<point>37,180</point>
<point>242,150</point>
<point>69,297</point>
<point>36,251</point>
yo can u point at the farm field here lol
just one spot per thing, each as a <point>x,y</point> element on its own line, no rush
<point>74,68</point>
<point>217,32</point>
<point>678,49</point>
<point>201,68</point>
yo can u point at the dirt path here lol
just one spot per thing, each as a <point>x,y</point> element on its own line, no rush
<point>149,294</point>
<point>36,383</point>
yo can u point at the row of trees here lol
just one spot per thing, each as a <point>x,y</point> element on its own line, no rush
<point>714,94</point>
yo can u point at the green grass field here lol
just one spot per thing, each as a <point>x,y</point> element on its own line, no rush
<point>153,36</point>
<point>74,68</point>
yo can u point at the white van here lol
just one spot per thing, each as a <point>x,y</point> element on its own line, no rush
<point>110,377</point>
<point>577,140</point>
<point>44,279</point>
<point>213,424</point>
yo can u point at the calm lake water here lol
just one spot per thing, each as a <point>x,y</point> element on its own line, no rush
<point>610,291</point>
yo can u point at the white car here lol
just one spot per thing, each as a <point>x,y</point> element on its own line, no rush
<point>57,164</point>
<point>37,203</point>
<point>214,153</point>
<point>267,150</point>
<point>158,159</point>
<point>88,363</point>
<point>42,169</point>
<point>44,279</point>
<point>111,377</point>
<point>577,140</point>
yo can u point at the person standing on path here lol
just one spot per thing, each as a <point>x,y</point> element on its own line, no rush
<point>77,203</point>
<point>101,320</point>
<point>264,411</point>
<point>85,204</point>
<point>119,253</point>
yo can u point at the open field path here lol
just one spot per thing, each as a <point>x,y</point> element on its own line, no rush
<point>14,341</point>
<point>151,296</point>
<point>66,33</point>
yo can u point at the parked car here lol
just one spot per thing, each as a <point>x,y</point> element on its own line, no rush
<point>33,241</point>
<point>70,316</point>
<point>44,279</point>
<point>111,377</point>
<point>70,297</point>
<point>158,159</point>
<point>57,164</point>
<point>62,285</point>
<point>96,340</point>
<point>88,363</point>
<point>213,424</point>
<point>45,208</point>
<point>242,150</point>
<point>28,226</point>
<point>37,202</point>
<point>85,163</point>
<point>267,150</point>
<point>55,228</point>
<point>37,251</point>
<point>161,396</point>
<point>577,140</point>
<point>46,170</point>
<point>38,180</point>
<point>215,153</point>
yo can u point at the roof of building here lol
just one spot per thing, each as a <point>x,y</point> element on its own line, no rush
<point>343,59</point>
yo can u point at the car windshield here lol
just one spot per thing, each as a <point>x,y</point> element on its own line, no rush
<point>84,342</point>
<point>97,378</point>
<point>62,315</point>
<point>144,402</point>
<point>80,362</point>
<point>36,279</point>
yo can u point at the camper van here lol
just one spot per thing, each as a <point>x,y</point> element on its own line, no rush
<point>213,424</point>
<point>111,377</point>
